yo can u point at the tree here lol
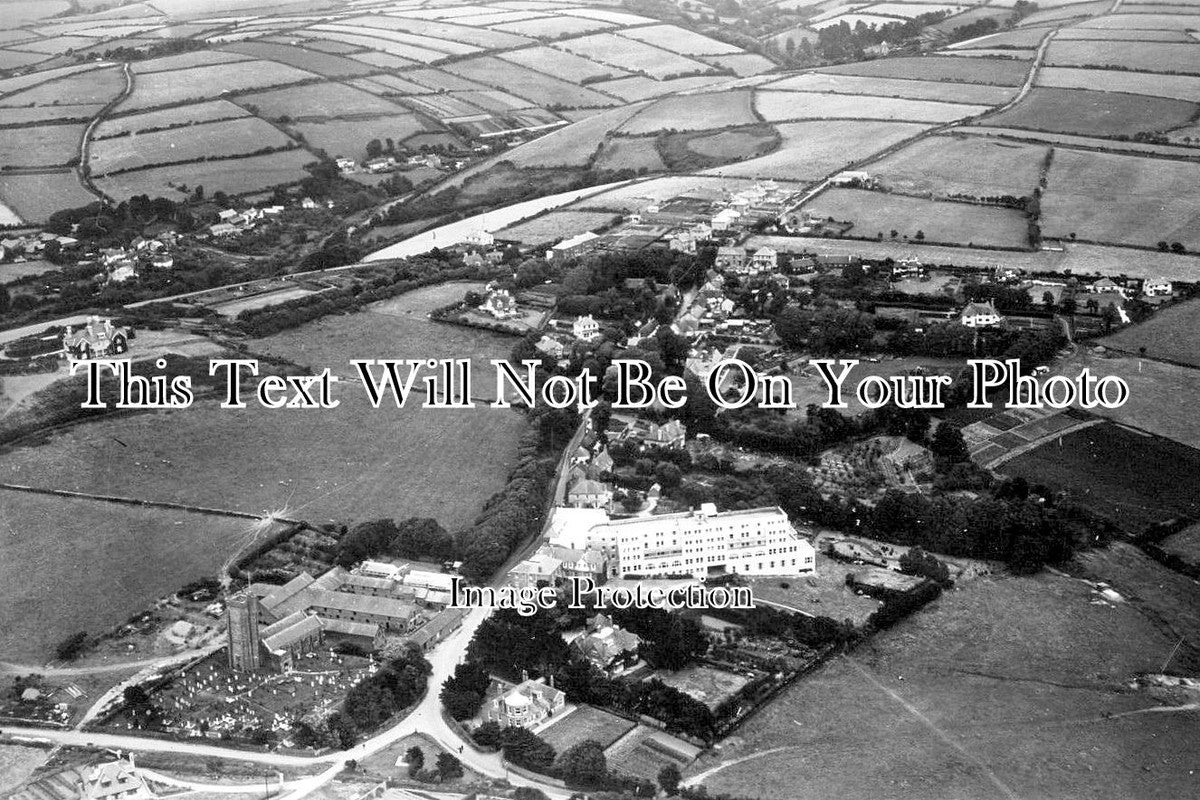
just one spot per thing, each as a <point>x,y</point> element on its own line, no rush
<point>374,148</point>
<point>583,764</point>
<point>415,758</point>
<point>920,237</point>
<point>463,693</point>
<point>948,443</point>
<point>669,778</point>
<point>449,767</point>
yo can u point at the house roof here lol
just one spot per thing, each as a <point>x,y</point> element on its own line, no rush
<point>980,309</point>
<point>299,626</point>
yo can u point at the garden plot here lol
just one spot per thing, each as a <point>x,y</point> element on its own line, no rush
<point>778,106</point>
<point>556,225</point>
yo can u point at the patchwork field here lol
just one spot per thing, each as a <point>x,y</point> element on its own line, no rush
<point>317,100</point>
<point>340,137</point>
<point>95,86</point>
<point>1179,87</point>
<point>213,140</point>
<point>526,83</point>
<point>995,71</point>
<point>40,146</point>
<point>679,40</point>
<point>811,150</point>
<point>558,63</point>
<point>875,213</point>
<point>779,106</point>
<point>968,93</point>
<point>1145,56</point>
<point>1096,113</point>
<point>962,701</point>
<point>630,154</point>
<point>202,83</point>
<point>210,111</point>
<point>694,112</point>
<point>1172,333</point>
<point>946,165</point>
<point>232,176</point>
<point>35,197</point>
<point>1122,199</point>
<point>634,56</point>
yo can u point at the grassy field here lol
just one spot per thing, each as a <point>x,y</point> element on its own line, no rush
<point>526,83</point>
<point>1122,199</point>
<point>183,115</point>
<point>317,100</point>
<point>1178,87</point>
<point>779,106</point>
<point>945,165</point>
<point>688,152</point>
<point>553,27</point>
<point>558,63</point>
<point>961,223</point>
<point>633,56</point>
<point>1094,466</point>
<point>585,723</point>
<point>708,685</point>
<point>1185,544</point>
<point>678,40</point>
<point>969,93</point>
<point>213,140</point>
<point>823,594</point>
<point>40,146</point>
<point>208,82</point>
<point>999,689</point>
<point>71,565</point>
<point>994,71</point>
<point>694,112</point>
<point>35,197</point>
<point>95,86</point>
<point>1172,333</point>
<point>326,64</point>
<point>346,138</point>
<point>573,145</point>
<point>18,763</point>
<point>1145,56</point>
<point>233,176</point>
<point>814,149</point>
<point>630,154</point>
<point>1096,113</point>
<point>556,225</point>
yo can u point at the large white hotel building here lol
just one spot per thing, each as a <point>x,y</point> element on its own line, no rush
<point>701,543</point>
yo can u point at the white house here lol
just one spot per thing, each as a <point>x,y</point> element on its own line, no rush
<point>980,315</point>
<point>764,258</point>
<point>585,328</point>
<point>480,238</point>
<point>1157,287</point>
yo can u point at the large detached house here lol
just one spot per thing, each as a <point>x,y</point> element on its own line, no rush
<point>606,645</point>
<point>527,704</point>
<point>980,315</point>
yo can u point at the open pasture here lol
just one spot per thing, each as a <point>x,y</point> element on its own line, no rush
<point>418,43</point>
<point>35,197</point>
<point>553,27</point>
<point>213,140</point>
<point>681,41</point>
<point>481,38</point>
<point>1186,19</point>
<point>949,165</point>
<point>15,59</point>
<point>812,150</point>
<point>349,138</point>
<point>1143,56</point>
<point>1128,34</point>
<point>993,71</point>
<point>1088,113</point>
<point>1178,87</point>
<point>634,56</point>
<point>210,111</point>
<point>556,225</point>
<point>317,100</point>
<point>967,93</point>
<point>233,176</point>
<point>1020,39</point>
<point>957,223</point>
<point>780,106</point>
<point>40,146</point>
<point>197,58</point>
<point>1072,11</point>
<point>621,153</point>
<point>961,700</point>
<point>561,64</point>
<point>18,82</point>
<point>639,87</point>
<point>1088,142</point>
<point>705,111</point>
<point>743,64</point>
<point>203,83</point>
<point>409,53</point>
<point>43,115</point>
<point>96,86</point>
<point>1172,333</point>
<point>533,86</point>
<point>324,64</point>
<point>1122,199</point>
<point>385,61</point>
<point>853,19</point>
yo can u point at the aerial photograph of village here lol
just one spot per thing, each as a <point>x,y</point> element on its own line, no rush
<point>788,399</point>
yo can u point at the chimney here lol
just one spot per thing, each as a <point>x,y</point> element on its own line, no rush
<point>524,675</point>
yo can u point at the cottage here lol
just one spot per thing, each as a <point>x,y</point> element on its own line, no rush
<point>116,780</point>
<point>480,238</point>
<point>94,340</point>
<point>764,258</point>
<point>550,347</point>
<point>500,304</point>
<point>730,258</point>
<point>607,646</point>
<point>587,493</point>
<point>668,436</point>
<point>1157,287</point>
<point>980,315</point>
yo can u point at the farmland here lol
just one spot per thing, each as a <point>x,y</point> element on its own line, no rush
<point>40,146</point>
<point>630,154</point>
<point>316,100</point>
<point>232,176</point>
<point>168,118</point>
<point>556,225</point>
<point>968,93</point>
<point>634,56</point>
<point>1088,194</point>
<point>994,71</point>
<point>694,112</point>
<point>563,65</point>
<point>1141,56</point>
<point>812,150</point>
<point>219,139</point>
<point>103,563</point>
<point>779,106</point>
<point>961,223</point>
<point>1096,113</point>
<point>34,197</point>
<point>341,137</point>
<point>1178,87</point>
<point>963,165</point>
<point>961,700</point>
<point>201,83</point>
<point>1172,333</point>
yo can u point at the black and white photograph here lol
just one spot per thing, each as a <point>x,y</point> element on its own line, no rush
<point>599,399</point>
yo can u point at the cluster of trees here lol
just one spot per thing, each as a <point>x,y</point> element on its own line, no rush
<point>118,224</point>
<point>1012,525</point>
<point>825,329</point>
<point>414,538</point>
<point>167,47</point>
<point>370,702</point>
<point>838,43</point>
<point>445,768</point>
